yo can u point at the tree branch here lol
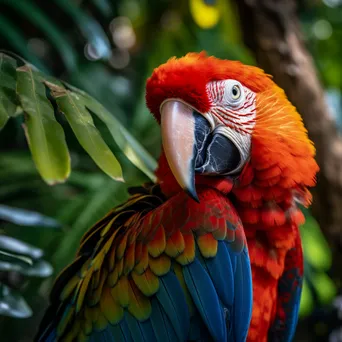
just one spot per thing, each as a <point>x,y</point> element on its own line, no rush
<point>271,29</point>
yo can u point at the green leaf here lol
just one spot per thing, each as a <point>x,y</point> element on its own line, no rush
<point>26,217</point>
<point>316,249</point>
<point>81,122</point>
<point>133,150</point>
<point>16,259</point>
<point>13,304</point>
<point>40,268</point>
<point>8,96</point>
<point>306,301</point>
<point>44,134</point>
<point>325,287</point>
<point>9,246</point>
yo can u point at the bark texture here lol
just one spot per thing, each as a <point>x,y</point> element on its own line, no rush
<point>271,29</point>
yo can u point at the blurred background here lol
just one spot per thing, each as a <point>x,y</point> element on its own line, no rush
<point>108,48</point>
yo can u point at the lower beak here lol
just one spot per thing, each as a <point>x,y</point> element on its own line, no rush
<point>178,137</point>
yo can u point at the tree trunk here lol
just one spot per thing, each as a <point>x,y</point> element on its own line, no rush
<point>271,29</point>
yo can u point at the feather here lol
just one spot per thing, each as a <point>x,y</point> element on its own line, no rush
<point>163,329</point>
<point>207,244</point>
<point>51,337</point>
<point>125,331</point>
<point>147,283</point>
<point>107,336</point>
<point>221,272</point>
<point>175,244</point>
<point>161,265</point>
<point>205,298</point>
<point>140,331</point>
<point>173,301</point>
<point>198,331</point>
<point>110,308</point>
<point>289,293</point>
<point>243,298</point>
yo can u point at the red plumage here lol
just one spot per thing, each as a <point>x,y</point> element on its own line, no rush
<point>276,177</point>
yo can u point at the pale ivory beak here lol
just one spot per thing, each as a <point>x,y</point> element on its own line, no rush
<point>178,137</point>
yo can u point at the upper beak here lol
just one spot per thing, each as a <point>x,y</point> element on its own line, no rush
<point>178,137</point>
<point>191,144</point>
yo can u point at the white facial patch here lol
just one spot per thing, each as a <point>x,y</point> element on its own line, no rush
<point>233,114</point>
<point>232,104</point>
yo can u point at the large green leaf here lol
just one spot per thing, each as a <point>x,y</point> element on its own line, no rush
<point>82,124</point>
<point>133,150</point>
<point>8,96</point>
<point>45,135</point>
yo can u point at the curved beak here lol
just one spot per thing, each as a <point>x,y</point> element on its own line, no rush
<point>178,137</point>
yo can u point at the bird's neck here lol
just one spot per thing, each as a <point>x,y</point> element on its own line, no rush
<point>261,208</point>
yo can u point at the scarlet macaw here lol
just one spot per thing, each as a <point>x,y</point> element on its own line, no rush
<point>172,264</point>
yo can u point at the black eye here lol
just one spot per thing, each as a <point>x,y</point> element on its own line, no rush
<point>236,92</point>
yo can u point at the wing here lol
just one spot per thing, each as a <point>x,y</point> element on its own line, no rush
<point>157,270</point>
<point>289,293</point>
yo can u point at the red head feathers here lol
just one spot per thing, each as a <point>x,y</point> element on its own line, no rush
<point>280,155</point>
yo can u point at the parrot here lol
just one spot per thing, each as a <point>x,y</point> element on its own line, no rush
<point>211,250</point>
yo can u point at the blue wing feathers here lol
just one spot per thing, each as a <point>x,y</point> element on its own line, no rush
<point>122,330</point>
<point>158,322</point>
<point>220,288</point>
<point>221,273</point>
<point>52,336</point>
<point>138,331</point>
<point>198,331</point>
<point>148,331</point>
<point>205,298</point>
<point>289,293</point>
<point>222,296</point>
<point>104,336</point>
<point>161,324</point>
<point>243,297</point>
<point>172,299</point>
<point>286,328</point>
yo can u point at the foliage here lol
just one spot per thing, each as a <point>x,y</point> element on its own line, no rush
<point>318,289</point>
<point>108,48</point>
<point>25,90</point>
<point>19,260</point>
